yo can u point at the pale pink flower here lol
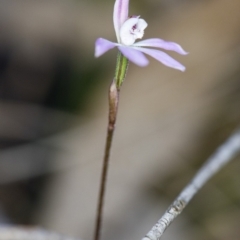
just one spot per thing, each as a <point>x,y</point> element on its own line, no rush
<point>128,29</point>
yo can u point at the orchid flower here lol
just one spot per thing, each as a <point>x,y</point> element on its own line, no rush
<point>128,29</point>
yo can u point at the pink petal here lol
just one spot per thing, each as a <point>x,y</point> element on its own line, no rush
<point>103,45</point>
<point>157,42</point>
<point>162,57</point>
<point>134,56</point>
<point>120,15</point>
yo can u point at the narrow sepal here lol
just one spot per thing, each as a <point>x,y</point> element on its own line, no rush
<point>162,57</point>
<point>103,45</point>
<point>134,55</point>
<point>120,15</point>
<point>159,43</point>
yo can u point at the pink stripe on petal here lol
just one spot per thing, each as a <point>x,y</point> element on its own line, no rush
<point>157,42</point>
<point>120,15</point>
<point>162,57</point>
<point>103,45</point>
<point>134,56</point>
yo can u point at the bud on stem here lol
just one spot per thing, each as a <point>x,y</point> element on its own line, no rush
<point>113,104</point>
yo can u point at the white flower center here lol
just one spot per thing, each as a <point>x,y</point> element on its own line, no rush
<point>131,30</point>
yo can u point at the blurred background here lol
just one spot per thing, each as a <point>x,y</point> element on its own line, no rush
<point>53,118</point>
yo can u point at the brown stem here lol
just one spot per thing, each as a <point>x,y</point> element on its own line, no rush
<point>113,107</point>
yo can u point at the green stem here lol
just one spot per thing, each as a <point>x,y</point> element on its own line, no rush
<point>114,90</point>
<point>121,69</point>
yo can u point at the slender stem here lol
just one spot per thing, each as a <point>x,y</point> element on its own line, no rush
<point>221,157</point>
<point>114,90</point>
<point>121,69</point>
<point>113,106</point>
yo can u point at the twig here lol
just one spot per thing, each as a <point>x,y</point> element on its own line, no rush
<point>222,156</point>
<point>113,107</point>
